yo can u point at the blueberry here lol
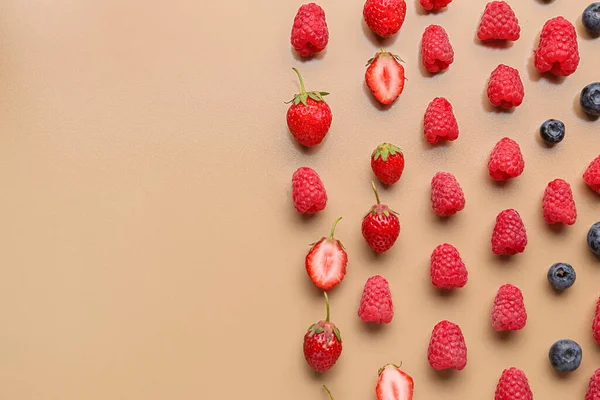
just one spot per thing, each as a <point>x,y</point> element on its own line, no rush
<point>590,99</point>
<point>593,238</point>
<point>591,18</point>
<point>552,131</point>
<point>561,276</point>
<point>565,355</point>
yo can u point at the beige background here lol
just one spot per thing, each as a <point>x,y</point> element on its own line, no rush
<point>150,249</point>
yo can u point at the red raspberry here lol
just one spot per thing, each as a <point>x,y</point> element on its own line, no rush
<point>447,197</point>
<point>557,51</point>
<point>384,17</point>
<point>596,323</point>
<point>436,51</point>
<point>439,123</point>
<point>513,384</point>
<point>499,22</point>
<point>505,88</point>
<point>447,348</point>
<point>308,191</point>
<point>309,33</point>
<point>387,163</point>
<point>447,269</point>
<point>506,160</point>
<point>508,312</point>
<point>593,390</point>
<point>376,301</point>
<point>434,5</point>
<point>509,235</point>
<point>558,203</point>
<point>591,176</point>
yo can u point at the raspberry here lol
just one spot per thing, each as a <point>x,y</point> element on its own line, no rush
<point>447,348</point>
<point>506,160</point>
<point>591,176</point>
<point>434,5</point>
<point>439,122</point>
<point>558,203</point>
<point>308,192</point>
<point>596,323</point>
<point>509,235</point>
<point>505,88</point>
<point>384,17</point>
<point>447,197</point>
<point>447,269</point>
<point>309,32</point>
<point>376,301</point>
<point>436,51</point>
<point>499,22</point>
<point>508,312</point>
<point>557,51</point>
<point>512,385</point>
<point>593,390</point>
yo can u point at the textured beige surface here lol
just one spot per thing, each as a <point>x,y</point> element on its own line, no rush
<point>149,247</point>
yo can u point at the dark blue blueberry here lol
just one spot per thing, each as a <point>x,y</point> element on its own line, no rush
<point>552,131</point>
<point>594,238</point>
<point>591,18</point>
<point>590,99</point>
<point>565,355</point>
<point>561,276</point>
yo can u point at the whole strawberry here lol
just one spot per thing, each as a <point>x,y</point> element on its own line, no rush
<point>376,301</point>
<point>505,88</point>
<point>508,312</point>
<point>447,347</point>
<point>387,163</point>
<point>384,17</point>
<point>509,236</point>
<point>591,176</point>
<point>326,261</point>
<point>447,197</point>
<point>436,51</point>
<point>385,77</point>
<point>309,116</point>
<point>322,344</point>
<point>499,22</point>
<point>308,192</point>
<point>596,323</point>
<point>309,32</point>
<point>439,122</point>
<point>558,51</point>
<point>381,226</point>
<point>513,385</point>
<point>434,5</point>
<point>447,269</point>
<point>394,384</point>
<point>558,203</point>
<point>593,390</point>
<point>506,160</point>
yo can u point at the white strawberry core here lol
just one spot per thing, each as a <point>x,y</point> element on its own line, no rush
<point>328,258</point>
<point>386,71</point>
<point>394,385</point>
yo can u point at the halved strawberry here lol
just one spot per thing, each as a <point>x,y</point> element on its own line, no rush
<point>326,261</point>
<point>385,77</point>
<point>394,384</point>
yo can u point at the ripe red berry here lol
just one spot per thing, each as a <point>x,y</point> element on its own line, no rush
<point>510,236</point>
<point>593,390</point>
<point>447,269</point>
<point>439,122</point>
<point>387,163</point>
<point>447,347</point>
<point>596,323</point>
<point>499,22</point>
<point>434,5</point>
<point>380,226</point>
<point>506,160</point>
<point>384,17</point>
<point>513,385</point>
<point>436,51</point>
<point>505,88</point>
<point>558,203</point>
<point>308,192</point>
<point>326,261</point>
<point>591,176</point>
<point>394,384</point>
<point>385,77</point>
<point>447,197</point>
<point>309,116</point>
<point>322,344</point>
<point>376,302</point>
<point>508,312</point>
<point>309,32</point>
<point>558,51</point>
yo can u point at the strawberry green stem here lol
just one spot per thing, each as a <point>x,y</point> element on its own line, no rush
<point>326,305</point>
<point>333,227</point>
<point>301,81</point>
<point>376,194</point>
<point>328,392</point>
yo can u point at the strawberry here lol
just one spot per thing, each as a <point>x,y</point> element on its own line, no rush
<point>384,17</point>
<point>394,384</point>
<point>387,163</point>
<point>385,76</point>
<point>322,343</point>
<point>326,261</point>
<point>381,226</point>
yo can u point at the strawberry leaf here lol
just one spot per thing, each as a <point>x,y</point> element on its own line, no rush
<point>336,331</point>
<point>386,212</point>
<point>319,330</point>
<point>312,327</point>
